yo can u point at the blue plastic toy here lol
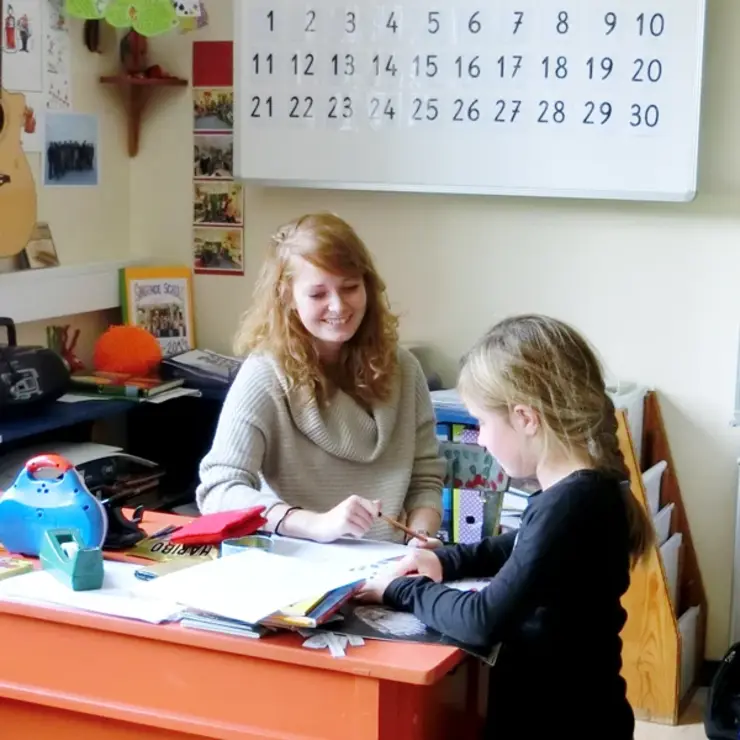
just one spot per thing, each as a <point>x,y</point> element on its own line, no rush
<point>34,504</point>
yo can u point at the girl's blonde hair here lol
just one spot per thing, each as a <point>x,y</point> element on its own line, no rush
<point>366,369</point>
<point>544,363</point>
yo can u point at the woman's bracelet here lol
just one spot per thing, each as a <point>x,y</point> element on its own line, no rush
<point>283,517</point>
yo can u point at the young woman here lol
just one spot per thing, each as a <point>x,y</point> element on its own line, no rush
<point>329,421</point>
<point>553,603</point>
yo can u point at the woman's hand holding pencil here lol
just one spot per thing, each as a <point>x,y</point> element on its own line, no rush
<point>416,539</point>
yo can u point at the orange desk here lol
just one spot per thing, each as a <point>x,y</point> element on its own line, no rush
<point>67,675</point>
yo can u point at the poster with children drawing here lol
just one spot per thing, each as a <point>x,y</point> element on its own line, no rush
<point>58,56</point>
<point>21,42</point>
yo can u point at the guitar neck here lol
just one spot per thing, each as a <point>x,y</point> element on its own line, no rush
<point>2,53</point>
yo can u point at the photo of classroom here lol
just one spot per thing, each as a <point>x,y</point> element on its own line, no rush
<point>358,379</point>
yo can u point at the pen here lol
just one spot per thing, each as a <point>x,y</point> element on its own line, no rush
<point>164,532</point>
<point>398,525</point>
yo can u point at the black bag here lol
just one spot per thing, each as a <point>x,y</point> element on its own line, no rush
<point>30,377</point>
<point>722,714</point>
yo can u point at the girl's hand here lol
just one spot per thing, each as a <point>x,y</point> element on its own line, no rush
<point>354,516</point>
<point>416,564</point>
<point>419,562</point>
<point>373,590</point>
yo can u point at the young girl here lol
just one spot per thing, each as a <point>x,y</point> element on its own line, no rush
<point>328,420</point>
<point>554,600</point>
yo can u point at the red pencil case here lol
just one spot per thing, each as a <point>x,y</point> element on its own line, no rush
<point>212,529</point>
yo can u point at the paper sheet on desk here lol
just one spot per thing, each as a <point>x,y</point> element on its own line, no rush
<point>73,398</point>
<point>117,597</point>
<point>248,586</point>
<point>346,553</point>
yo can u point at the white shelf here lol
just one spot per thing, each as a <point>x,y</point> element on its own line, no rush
<point>47,293</point>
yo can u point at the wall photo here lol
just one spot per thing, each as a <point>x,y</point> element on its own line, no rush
<point>213,110</point>
<point>218,203</point>
<point>72,155</point>
<point>218,251</point>
<point>213,156</point>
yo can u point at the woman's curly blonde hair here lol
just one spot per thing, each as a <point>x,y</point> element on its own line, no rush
<point>368,362</point>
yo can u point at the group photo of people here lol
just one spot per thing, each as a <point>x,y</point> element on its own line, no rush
<point>162,320</point>
<point>71,149</point>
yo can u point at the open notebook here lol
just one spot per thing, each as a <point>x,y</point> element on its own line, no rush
<point>250,586</point>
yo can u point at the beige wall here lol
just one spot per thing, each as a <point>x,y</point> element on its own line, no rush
<point>88,224</point>
<point>654,286</point>
<point>91,224</point>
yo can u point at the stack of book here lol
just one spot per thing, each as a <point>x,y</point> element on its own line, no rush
<point>202,368</point>
<point>122,385</point>
<point>309,614</point>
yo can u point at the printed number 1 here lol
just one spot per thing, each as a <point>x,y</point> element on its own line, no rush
<point>271,20</point>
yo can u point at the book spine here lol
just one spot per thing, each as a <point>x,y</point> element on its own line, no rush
<point>114,391</point>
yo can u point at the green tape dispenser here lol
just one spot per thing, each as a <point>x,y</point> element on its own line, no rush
<point>65,556</point>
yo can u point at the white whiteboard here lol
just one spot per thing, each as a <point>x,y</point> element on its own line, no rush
<point>566,98</point>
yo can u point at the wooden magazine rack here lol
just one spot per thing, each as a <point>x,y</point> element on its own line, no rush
<point>653,654</point>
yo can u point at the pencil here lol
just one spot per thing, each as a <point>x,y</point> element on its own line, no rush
<point>398,525</point>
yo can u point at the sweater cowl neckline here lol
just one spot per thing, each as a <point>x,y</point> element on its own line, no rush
<point>343,428</point>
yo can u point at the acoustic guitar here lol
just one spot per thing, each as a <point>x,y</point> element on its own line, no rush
<point>17,186</point>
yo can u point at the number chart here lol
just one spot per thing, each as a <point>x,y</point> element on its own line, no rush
<point>560,98</point>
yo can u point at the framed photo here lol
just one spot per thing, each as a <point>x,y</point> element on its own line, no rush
<point>40,250</point>
<point>160,299</point>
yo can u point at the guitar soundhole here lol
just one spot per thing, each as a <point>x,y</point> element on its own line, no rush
<point>2,118</point>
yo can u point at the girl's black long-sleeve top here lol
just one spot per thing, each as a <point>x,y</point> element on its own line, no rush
<point>554,605</point>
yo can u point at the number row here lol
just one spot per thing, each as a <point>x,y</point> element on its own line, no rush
<point>458,110</point>
<point>384,22</point>
<point>457,67</point>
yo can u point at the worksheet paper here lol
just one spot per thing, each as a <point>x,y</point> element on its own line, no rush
<point>358,555</point>
<point>116,598</point>
<point>248,586</point>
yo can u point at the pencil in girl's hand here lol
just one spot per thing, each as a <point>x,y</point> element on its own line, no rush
<point>398,525</point>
